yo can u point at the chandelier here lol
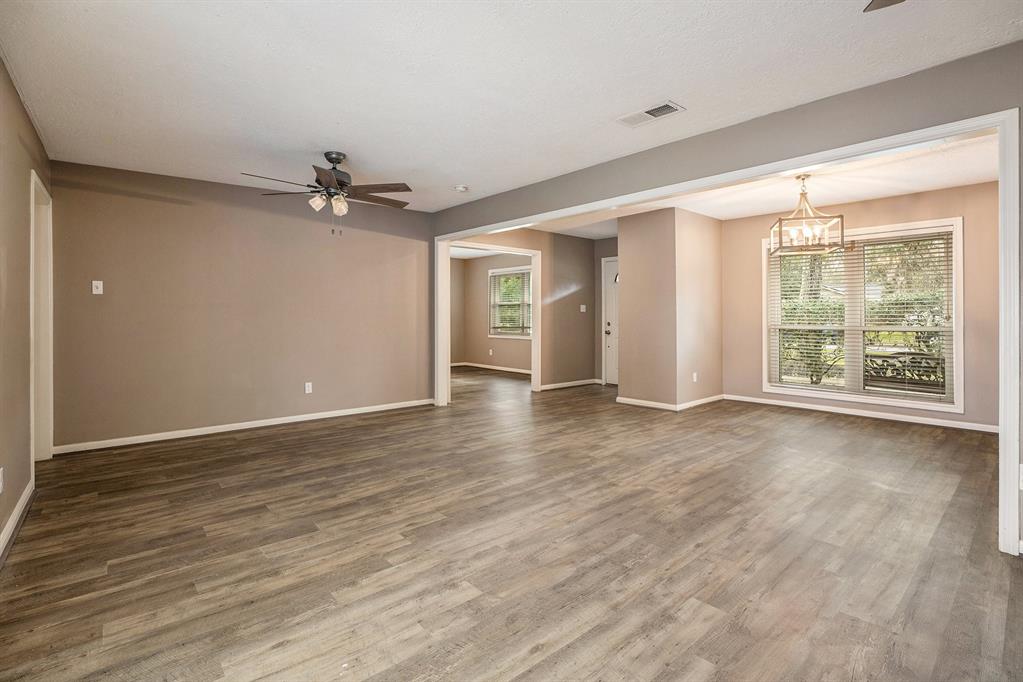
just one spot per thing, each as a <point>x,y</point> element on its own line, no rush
<point>807,230</point>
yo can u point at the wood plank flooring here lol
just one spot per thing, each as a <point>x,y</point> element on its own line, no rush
<point>553,536</point>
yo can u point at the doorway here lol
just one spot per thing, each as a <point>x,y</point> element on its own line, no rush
<point>609,319</point>
<point>41,322</point>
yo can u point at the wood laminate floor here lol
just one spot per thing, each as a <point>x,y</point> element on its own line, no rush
<point>553,536</point>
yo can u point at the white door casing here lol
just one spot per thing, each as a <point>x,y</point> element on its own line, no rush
<point>609,318</point>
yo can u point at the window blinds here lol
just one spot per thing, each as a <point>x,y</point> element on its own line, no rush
<point>876,319</point>
<point>510,303</point>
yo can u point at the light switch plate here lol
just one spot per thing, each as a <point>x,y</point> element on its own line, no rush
<point>97,286</point>
<point>308,387</point>
<point>1,480</point>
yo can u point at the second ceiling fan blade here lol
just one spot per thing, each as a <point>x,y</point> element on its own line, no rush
<point>382,188</point>
<point>286,182</point>
<point>881,4</point>
<point>383,201</point>
<point>326,178</point>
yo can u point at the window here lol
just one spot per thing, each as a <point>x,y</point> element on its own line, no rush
<point>879,322</point>
<point>511,302</point>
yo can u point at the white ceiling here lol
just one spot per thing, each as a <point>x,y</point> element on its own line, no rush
<point>464,253</point>
<point>491,94</point>
<point>949,163</point>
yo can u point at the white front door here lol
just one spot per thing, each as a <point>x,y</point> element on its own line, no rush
<point>609,330</point>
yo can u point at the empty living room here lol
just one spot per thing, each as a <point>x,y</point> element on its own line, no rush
<point>496,340</point>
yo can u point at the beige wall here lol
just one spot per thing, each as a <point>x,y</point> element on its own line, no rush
<point>647,358</point>
<point>602,248</point>
<point>743,286</point>
<point>566,344</point>
<point>514,353</point>
<point>698,305</point>
<point>457,310</point>
<point>219,304</point>
<point>21,152</point>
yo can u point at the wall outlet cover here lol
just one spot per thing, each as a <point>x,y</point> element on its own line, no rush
<point>308,387</point>
<point>97,286</point>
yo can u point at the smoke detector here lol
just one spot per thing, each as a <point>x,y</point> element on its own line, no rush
<point>654,113</point>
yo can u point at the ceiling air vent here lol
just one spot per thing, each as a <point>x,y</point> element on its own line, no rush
<point>652,114</point>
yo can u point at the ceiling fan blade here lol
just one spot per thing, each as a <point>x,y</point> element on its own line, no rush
<point>383,201</point>
<point>287,182</point>
<point>880,4</point>
<point>277,194</point>
<point>382,188</point>
<point>326,178</point>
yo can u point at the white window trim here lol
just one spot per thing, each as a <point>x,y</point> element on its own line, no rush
<point>953,225</point>
<point>507,271</point>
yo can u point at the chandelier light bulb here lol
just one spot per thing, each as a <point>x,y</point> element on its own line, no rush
<point>318,202</point>
<point>339,205</point>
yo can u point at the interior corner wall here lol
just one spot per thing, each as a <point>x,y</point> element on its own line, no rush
<point>21,152</point>
<point>602,248</point>
<point>647,342</point>
<point>566,344</point>
<point>477,344</point>
<point>219,304</point>
<point>698,306</point>
<point>743,294</point>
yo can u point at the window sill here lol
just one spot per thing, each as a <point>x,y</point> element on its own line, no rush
<point>509,336</point>
<point>823,394</point>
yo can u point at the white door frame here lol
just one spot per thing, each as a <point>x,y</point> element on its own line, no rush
<point>1006,123</point>
<point>442,317</point>
<point>38,195</point>
<point>603,316</point>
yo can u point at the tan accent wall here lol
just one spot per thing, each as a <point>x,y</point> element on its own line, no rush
<point>457,310</point>
<point>514,353</point>
<point>566,344</point>
<point>21,152</point>
<point>647,357</point>
<point>602,248</point>
<point>698,305</point>
<point>219,304</point>
<point>743,287</point>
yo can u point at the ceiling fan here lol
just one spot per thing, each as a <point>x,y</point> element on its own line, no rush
<point>334,186</point>
<point>881,4</point>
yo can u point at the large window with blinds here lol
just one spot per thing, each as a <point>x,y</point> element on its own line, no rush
<point>511,302</point>
<point>879,322</point>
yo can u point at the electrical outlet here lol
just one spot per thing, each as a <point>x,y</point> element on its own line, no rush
<point>97,286</point>
<point>308,387</point>
<point>696,377</point>
<point>582,308</point>
<point>491,351</point>
<point>1,480</point>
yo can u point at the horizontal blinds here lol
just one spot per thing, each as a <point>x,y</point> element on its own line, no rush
<point>510,303</point>
<point>874,319</point>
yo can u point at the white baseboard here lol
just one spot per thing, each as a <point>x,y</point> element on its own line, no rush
<point>569,384</point>
<point>668,406</point>
<point>494,367</point>
<point>930,421</point>
<point>7,534</point>
<point>220,428</point>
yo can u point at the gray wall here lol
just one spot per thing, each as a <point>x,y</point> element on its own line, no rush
<point>698,306</point>
<point>514,353</point>
<point>21,151</point>
<point>978,206</point>
<point>457,310</point>
<point>219,304</point>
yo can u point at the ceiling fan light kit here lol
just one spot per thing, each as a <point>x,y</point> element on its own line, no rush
<point>335,186</point>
